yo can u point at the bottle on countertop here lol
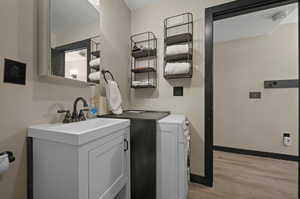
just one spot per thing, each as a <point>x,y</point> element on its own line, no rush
<point>93,110</point>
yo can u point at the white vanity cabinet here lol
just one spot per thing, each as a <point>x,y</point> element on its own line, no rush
<point>92,167</point>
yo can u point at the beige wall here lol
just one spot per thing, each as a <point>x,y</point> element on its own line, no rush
<point>242,66</point>
<point>115,44</point>
<point>63,38</point>
<point>151,18</point>
<point>37,102</point>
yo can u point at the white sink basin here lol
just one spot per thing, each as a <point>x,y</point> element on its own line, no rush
<point>78,133</point>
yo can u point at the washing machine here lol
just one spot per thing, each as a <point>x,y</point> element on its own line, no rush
<point>173,157</point>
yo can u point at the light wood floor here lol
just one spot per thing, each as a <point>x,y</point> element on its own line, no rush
<point>249,177</point>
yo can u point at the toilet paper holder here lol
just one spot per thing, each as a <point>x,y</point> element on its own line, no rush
<point>10,155</point>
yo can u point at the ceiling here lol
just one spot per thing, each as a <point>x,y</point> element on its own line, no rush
<point>69,15</point>
<point>254,24</point>
<point>136,4</point>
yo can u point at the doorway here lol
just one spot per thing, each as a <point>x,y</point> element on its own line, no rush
<point>213,14</point>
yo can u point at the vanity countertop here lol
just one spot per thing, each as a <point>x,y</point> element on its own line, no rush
<point>139,114</point>
<point>78,133</point>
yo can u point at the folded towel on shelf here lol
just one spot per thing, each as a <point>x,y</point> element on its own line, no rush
<point>142,83</point>
<point>177,68</point>
<point>177,49</point>
<point>95,62</point>
<point>143,68</point>
<point>95,76</point>
<point>114,99</point>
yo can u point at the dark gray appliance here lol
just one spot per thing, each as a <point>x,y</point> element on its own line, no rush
<point>143,151</point>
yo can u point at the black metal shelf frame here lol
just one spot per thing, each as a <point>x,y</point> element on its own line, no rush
<point>94,54</point>
<point>180,33</point>
<point>148,86</point>
<point>144,59</point>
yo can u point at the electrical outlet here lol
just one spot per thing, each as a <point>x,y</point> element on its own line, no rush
<point>287,140</point>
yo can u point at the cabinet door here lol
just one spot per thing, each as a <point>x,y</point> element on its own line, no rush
<point>107,169</point>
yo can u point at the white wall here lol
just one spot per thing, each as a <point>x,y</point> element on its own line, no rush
<point>242,66</point>
<point>151,18</point>
<point>37,102</point>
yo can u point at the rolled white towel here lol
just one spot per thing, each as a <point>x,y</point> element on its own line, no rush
<point>177,49</point>
<point>177,68</point>
<point>142,83</point>
<point>95,76</point>
<point>95,62</point>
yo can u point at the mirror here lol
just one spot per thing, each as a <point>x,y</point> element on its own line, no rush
<point>74,50</point>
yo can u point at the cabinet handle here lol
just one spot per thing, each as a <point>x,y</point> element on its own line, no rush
<point>126,145</point>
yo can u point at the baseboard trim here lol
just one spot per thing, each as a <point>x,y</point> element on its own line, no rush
<point>201,180</point>
<point>257,153</point>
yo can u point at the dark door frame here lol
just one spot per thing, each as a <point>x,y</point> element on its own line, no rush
<point>212,14</point>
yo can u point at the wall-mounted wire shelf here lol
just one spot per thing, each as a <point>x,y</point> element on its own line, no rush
<point>143,60</point>
<point>178,30</point>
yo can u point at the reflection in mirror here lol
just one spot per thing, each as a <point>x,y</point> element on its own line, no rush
<point>74,39</point>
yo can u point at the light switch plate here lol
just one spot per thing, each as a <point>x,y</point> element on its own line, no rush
<point>255,95</point>
<point>178,91</point>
